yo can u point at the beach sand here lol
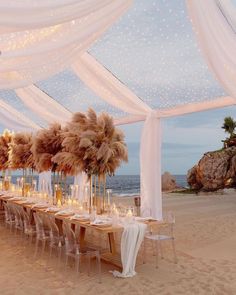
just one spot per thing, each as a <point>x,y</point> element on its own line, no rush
<point>206,246</point>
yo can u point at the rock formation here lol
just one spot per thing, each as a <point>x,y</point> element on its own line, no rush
<point>215,170</point>
<point>168,182</point>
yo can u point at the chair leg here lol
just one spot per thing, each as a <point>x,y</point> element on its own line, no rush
<point>89,263</point>
<point>174,251</point>
<point>153,248</point>
<point>36,248</point>
<point>157,252</point>
<point>59,255</point>
<point>161,250</point>
<point>77,264</point>
<point>43,247</point>
<point>144,251</point>
<point>98,258</point>
<point>66,262</point>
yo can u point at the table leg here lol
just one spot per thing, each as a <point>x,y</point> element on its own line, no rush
<point>82,232</point>
<point>112,243</point>
<point>59,223</point>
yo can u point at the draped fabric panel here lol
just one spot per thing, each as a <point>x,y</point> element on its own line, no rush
<point>217,39</point>
<point>29,56</point>
<point>28,15</point>
<point>12,119</point>
<point>80,181</point>
<point>43,105</point>
<point>108,87</point>
<point>181,110</point>
<point>45,182</point>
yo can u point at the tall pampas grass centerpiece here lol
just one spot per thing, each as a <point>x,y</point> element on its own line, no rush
<point>94,145</point>
<point>5,140</point>
<point>46,144</point>
<point>21,157</point>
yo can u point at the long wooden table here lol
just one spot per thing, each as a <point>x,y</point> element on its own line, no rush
<point>113,256</point>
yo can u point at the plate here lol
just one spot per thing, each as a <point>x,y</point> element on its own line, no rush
<point>52,209</point>
<point>65,213</point>
<point>40,206</point>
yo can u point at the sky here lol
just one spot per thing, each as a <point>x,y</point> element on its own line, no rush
<point>151,49</point>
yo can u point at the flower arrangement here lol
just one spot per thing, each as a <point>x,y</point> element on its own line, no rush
<point>46,144</point>
<point>5,140</point>
<point>92,144</point>
<point>21,156</point>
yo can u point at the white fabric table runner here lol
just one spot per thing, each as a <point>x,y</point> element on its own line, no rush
<point>131,240</point>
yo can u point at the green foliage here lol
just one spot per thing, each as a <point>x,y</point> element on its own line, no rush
<point>229,126</point>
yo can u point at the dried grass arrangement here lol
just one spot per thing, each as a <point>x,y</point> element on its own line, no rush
<point>21,156</point>
<point>5,140</point>
<point>92,144</point>
<point>46,144</point>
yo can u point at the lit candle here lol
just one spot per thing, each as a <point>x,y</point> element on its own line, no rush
<point>70,202</point>
<point>129,216</point>
<point>129,213</point>
<point>76,190</point>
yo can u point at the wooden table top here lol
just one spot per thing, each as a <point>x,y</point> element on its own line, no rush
<point>67,218</point>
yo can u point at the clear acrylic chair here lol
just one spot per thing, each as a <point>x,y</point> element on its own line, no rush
<point>160,233</point>
<point>42,234</point>
<point>9,216</point>
<point>29,228</point>
<point>74,250</point>
<point>19,224</point>
<point>56,239</point>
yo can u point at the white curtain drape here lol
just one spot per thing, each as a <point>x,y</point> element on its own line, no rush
<point>217,39</point>
<point>108,87</point>
<point>43,105</point>
<point>45,182</point>
<point>18,16</point>
<point>12,119</point>
<point>80,181</point>
<point>35,54</point>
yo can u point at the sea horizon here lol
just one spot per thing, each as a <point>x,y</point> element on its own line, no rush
<point>122,185</point>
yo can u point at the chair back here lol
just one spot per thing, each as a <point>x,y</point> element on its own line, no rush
<point>70,238</point>
<point>39,226</point>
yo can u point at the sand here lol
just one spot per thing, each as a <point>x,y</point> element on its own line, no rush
<point>206,246</point>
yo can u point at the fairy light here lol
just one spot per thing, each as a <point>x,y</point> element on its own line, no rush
<point>152,50</point>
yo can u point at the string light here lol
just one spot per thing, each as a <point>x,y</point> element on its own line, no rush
<point>152,50</point>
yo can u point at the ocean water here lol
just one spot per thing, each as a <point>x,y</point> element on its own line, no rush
<point>126,184</point>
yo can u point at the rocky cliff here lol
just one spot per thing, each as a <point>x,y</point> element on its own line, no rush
<point>214,171</point>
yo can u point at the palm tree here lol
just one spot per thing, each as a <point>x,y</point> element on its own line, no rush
<point>229,126</point>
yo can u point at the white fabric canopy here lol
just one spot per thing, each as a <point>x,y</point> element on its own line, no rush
<point>12,119</point>
<point>32,55</point>
<point>217,39</point>
<point>43,105</point>
<point>27,15</point>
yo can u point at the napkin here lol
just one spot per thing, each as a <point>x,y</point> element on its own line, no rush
<point>65,212</point>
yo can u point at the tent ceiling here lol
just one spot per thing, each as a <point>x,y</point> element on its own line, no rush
<point>152,50</point>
